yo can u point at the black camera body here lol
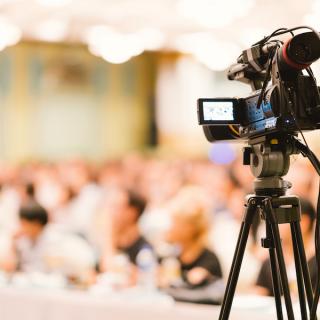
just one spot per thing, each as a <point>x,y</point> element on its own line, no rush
<point>291,102</point>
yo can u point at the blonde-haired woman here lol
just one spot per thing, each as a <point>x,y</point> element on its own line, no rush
<point>200,268</point>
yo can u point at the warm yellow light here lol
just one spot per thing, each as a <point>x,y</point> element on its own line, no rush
<point>113,46</point>
<point>216,54</point>
<point>214,13</point>
<point>54,3</point>
<point>10,34</point>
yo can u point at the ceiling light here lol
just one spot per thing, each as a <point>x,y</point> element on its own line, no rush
<point>10,34</point>
<point>113,46</point>
<point>214,13</point>
<point>51,30</point>
<point>54,3</point>
<point>249,36</point>
<point>153,39</point>
<point>216,54</point>
<point>313,18</point>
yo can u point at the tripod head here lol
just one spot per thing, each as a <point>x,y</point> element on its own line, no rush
<point>269,160</point>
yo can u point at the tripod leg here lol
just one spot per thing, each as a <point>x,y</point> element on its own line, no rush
<point>280,258</point>
<point>313,312</point>
<point>274,273</point>
<point>304,263</point>
<point>237,261</point>
<point>297,262</point>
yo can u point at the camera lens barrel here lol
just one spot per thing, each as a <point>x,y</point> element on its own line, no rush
<point>300,51</point>
<point>219,133</point>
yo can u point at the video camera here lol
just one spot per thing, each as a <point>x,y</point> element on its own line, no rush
<point>289,104</point>
<point>284,102</point>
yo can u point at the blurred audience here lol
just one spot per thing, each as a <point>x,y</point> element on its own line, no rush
<point>200,268</point>
<point>224,235</point>
<point>31,240</point>
<point>124,243</point>
<point>73,217</point>
<point>125,212</point>
<point>39,247</point>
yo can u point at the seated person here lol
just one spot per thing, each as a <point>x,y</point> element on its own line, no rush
<point>38,247</point>
<point>264,281</point>
<point>199,267</point>
<point>126,236</point>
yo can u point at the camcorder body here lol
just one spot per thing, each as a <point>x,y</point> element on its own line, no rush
<point>285,97</point>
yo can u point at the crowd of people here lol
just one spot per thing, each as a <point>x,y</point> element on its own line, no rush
<point>171,224</point>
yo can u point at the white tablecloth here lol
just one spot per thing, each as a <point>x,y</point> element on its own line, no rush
<point>40,304</point>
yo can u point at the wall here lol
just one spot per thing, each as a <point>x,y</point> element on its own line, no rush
<point>180,82</point>
<point>59,101</point>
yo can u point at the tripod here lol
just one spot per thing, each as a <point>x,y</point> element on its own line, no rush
<point>269,160</point>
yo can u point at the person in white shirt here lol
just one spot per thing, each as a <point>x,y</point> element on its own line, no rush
<point>38,247</point>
